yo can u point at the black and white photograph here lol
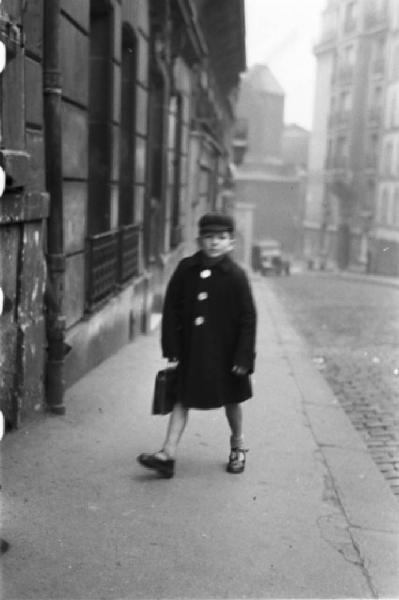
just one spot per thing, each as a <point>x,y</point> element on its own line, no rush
<point>199,299</point>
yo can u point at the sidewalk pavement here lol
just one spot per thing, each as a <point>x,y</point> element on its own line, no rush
<point>311,516</point>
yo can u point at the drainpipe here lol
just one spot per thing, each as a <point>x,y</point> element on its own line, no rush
<point>55,384</point>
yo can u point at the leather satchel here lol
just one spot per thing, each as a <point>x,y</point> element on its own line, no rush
<point>165,392</point>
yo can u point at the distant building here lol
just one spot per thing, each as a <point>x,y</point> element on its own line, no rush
<point>350,215</point>
<point>295,146</point>
<point>263,181</point>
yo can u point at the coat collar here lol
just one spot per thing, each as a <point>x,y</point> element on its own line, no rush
<point>225,264</point>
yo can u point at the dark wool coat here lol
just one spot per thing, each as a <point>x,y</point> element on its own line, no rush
<point>208,324</point>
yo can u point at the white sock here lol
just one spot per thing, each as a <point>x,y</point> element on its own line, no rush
<point>237,442</point>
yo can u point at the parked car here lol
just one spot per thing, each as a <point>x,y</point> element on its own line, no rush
<point>268,257</point>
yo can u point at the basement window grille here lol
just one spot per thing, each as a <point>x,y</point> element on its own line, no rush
<point>113,258</point>
<point>102,266</point>
<point>129,252</point>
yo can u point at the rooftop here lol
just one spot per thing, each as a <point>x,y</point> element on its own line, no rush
<point>262,79</point>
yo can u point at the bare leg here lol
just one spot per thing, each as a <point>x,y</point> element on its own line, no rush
<point>176,426</point>
<point>234,418</point>
<point>236,462</point>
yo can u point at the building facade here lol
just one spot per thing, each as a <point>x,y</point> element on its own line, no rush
<point>295,146</point>
<point>353,85</point>
<point>116,121</point>
<point>384,247</point>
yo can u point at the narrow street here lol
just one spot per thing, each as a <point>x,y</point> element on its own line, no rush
<point>352,329</point>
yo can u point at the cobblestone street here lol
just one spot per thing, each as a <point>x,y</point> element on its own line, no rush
<point>352,329</point>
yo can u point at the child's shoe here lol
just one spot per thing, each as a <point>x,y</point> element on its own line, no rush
<point>164,466</point>
<point>236,462</point>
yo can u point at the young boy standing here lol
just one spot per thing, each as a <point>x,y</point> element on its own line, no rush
<point>208,331</point>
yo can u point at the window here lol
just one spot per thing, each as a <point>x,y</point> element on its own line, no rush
<point>329,22</point>
<point>342,152</point>
<point>345,101</point>
<point>395,63</point>
<point>102,241</point>
<point>379,49</point>
<point>156,164</point>
<point>334,70</point>
<point>370,194</point>
<point>395,215</point>
<point>372,150</point>
<point>100,118</point>
<point>349,55</point>
<point>127,127</point>
<point>347,62</point>
<point>387,158</point>
<point>392,116</point>
<point>175,151</point>
<point>383,208</point>
<point>381,6</point>
<point>350,17</point>
<point>350,11</point>
<point>329,149</point>
<point>377,97</point>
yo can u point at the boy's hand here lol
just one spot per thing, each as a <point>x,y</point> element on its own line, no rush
<point>237,370</point>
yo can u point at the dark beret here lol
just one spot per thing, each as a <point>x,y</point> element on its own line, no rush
<point>216,222</point>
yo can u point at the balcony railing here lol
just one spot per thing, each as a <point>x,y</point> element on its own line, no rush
<point>113,258</point>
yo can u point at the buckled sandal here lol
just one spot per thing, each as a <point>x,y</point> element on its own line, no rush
<point>236,462</point>
<point>165,467</point>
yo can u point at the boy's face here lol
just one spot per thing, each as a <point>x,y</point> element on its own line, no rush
<point>216,244</point>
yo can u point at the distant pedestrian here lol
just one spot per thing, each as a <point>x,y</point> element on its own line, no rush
<point>208,332</point>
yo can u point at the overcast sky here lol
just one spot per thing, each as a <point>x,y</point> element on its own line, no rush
<point>281,34</point>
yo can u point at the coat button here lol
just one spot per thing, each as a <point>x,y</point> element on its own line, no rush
<point>205,273</point>
<point>202,295</point>
<point>199,320</point>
